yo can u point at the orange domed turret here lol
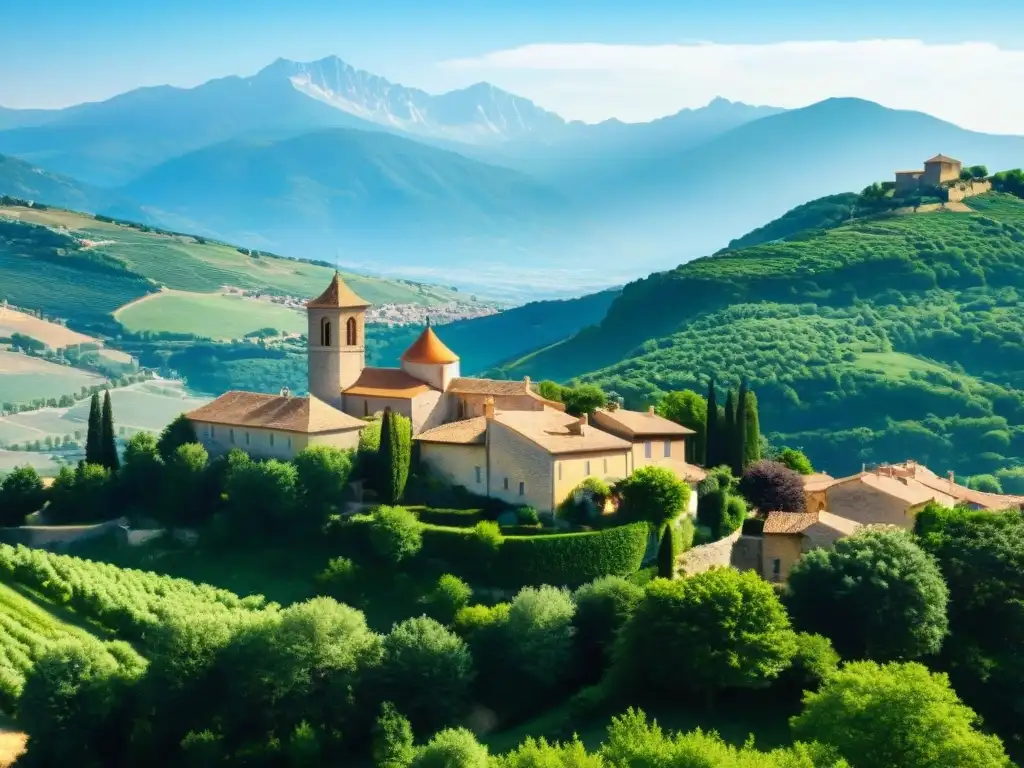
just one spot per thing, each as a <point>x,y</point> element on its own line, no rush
<point>428,349</point>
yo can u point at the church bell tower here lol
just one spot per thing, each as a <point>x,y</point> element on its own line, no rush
<point>336,348</point>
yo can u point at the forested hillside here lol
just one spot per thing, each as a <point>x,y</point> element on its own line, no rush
<point>878,339</point>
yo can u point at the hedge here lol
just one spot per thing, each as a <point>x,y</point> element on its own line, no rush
<point>559,559</point>
<point>455,518</point>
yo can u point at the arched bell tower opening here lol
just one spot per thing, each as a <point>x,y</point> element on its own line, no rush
<point>333,366</point>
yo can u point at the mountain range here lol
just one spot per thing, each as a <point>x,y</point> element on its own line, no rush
<point>476,186</point>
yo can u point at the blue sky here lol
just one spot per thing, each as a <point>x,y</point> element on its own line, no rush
<point>59,52</point>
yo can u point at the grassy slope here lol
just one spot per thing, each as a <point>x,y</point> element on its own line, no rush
<point>814,323</point>
<point>217,316</point>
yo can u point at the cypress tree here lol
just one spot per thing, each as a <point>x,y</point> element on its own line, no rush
<point>94,435</point>
<point>752,444</point>
<point>108,442</point>
<point>739,440</point>
<point>727,435</point>
<point>711,428</point>
<point>383,462</point>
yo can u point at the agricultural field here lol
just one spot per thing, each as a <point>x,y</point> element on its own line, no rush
<point>24,378</point>
<point>145,407</point>
<point>52,334</point>
<point>214,315</point>
<point>46,464</point>
<point>186,263</point>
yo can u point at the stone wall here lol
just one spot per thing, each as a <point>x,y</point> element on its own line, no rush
<point>58,536</point>
<point>736,550</point>
<point>964,189</point>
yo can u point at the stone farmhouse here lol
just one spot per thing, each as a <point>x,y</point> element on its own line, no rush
<point>497,438</point>
<point>889,494</point>
<point>940,173</point>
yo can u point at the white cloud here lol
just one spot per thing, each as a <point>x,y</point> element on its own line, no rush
<point>976,85</point>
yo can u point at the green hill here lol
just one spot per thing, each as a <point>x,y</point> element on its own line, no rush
<point>877,339</point>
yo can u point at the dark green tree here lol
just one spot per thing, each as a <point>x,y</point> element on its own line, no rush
<point>651,493</point>
<point>108,438</point>
<point>179,432</point>
<point>323,475</point>
<point>876,595</point>
<point>94,437</point>
<point>394,456</point>
<point>728,432</point>
<point>711,430</point>
<point>21,494</point>
<point>739,440</point>
<point>666,554</point>
<point>602,607</point>
<point>392,739</point>
<point>585,398</point>
<point>142,473</point>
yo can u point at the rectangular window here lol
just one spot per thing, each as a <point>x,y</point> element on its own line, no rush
<point>479,475</point>
<point>776,569</point>
<point>559,470</point>
<point>506,483</point>
<point>606,466</point>
<point>289,443</point>
<point>213,431</point>
<point>246,438</point>
<point>647,449</point>
<point>587,467</point>
<point>271,438</point>
<point>668,449</point>
<point>231,435</point>
<point>522,489</point>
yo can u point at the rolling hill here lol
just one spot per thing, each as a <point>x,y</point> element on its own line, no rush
<point>870,340</point>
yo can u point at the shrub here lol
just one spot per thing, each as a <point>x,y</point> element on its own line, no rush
<point>484,630</point>
<point>653,494</point>
<point>527,516</point>
<point>796,460</point>
<point>773,487</point>
<point>179,432</point>
<point>540,633</point>
<point>395,534</point>
<point>985,483</point>
<point>736,514</point>
<point>602,608</point>
<point>450,595</point>
<point>392,739</point>
<point>261,496</point>
<point>322,478</point>
<point>341,580</point>
<point>21,494</point>
<point>586,502</point>
<point>815,661</point>
<point>455,518</point>
<point>713,512</point>
<point>876,594</point>
<point>427,671</point>
<point>452,748</point>
<point>667,554</point>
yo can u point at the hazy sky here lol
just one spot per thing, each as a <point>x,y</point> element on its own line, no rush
<point>585,59</point>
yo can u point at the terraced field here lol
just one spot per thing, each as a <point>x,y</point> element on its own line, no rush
<point>213,315</point>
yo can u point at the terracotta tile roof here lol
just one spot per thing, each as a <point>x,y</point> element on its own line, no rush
<point>429,349</point>
<point>941,159</point>
<point>789,522</point>
<point>289,414</point>
<point>337,296</point>
<point>493,387</point>
<point>692,473</point>
<point>467,432</point>
<point>800,522</point>
<point>906,489</point>
<point>990,501</point>
<point>816,477</point>
<point>549,429</point>
<point>918,172</point>
<point>641,423</point>
<point>387,382</point>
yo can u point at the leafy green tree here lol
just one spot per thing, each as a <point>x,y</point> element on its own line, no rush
<point>896,714</point>
<point>689,409</point>
<point>985,483</point>
<point>452,748</point>
<point>876,595</point>
<point>82,495</point>
<point>540,633</point>
<point>94,453</point>
<point>427,671</point>
<point>182,497</point>
<point>814,662</point>
<point>392,739</point>
<point>652,493</point>
<point>585,398</point>
<point>770,486</point>
<point>712,449</point>
<point>795,460</point>
<point>108,440</point>
<point>394,456</point>
<point>141,475</point>
<point>752,425</point>
<point>21,494</point>
<point>603,606</point>
<point>322,475</point>
<point>978,171</point>
<point>536,753</point>
<point>722,629</point>
<point>179,432</point>
<point>450,595</point>
<point>395,534</point>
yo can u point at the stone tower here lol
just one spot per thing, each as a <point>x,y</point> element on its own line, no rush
<point>337,349</point>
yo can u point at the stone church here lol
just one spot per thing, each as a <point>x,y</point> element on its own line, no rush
<point>496,438</point>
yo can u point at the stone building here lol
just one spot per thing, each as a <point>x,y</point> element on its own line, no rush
<point>937,171</point>
<point>787,536</point>
<point>496,438</point>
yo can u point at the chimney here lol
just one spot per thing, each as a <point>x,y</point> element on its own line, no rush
<point>489,408</point>
<point>952,482</point>
<point>285,392</point>
<point>526,381</point>
<point>650,410</point>
<point>579,427</point>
